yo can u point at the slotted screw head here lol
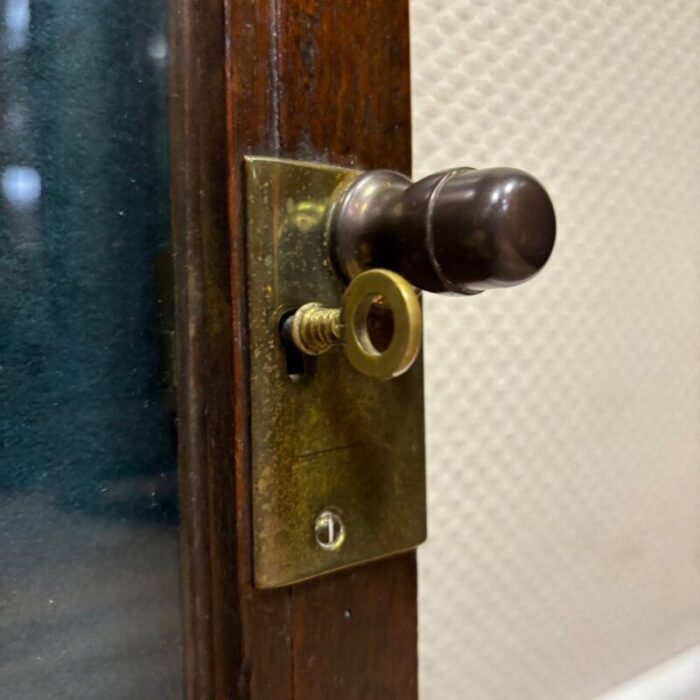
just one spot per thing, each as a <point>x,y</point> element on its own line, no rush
<point>329,530</point>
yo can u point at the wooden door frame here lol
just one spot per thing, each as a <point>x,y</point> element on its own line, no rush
<point>319,80</point>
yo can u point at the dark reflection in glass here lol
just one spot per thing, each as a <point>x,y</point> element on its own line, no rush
<point>89,591</point>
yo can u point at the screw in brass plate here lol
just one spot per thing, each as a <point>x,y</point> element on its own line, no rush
<point>329,530</point>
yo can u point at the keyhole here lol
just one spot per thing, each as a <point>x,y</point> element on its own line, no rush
<point>298,364</point>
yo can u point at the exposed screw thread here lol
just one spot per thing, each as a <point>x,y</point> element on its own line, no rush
<point>316,328</point>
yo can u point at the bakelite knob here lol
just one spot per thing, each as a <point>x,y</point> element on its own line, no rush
<point>461,231</point>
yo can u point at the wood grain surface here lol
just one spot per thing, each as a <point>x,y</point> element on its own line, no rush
<point>321,80</point>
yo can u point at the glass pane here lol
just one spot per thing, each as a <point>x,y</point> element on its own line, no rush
<point>89,591</point>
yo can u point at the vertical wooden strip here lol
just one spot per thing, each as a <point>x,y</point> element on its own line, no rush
<point>237,643</point>
<point>194,170</point>
<point>252,128</point>
<point>308,79</point>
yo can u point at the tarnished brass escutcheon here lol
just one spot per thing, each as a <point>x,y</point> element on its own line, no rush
<point>332,440</point>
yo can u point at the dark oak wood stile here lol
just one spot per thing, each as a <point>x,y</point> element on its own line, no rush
<point>320,80</point>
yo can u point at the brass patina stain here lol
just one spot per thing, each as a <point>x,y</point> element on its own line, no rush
<point>332,438</point>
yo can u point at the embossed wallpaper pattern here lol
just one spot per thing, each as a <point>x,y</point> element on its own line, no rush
<point>564,417</point>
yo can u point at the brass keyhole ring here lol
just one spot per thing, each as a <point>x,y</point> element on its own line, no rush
<point>406,310</point>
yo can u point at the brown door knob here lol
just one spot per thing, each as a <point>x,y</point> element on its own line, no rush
<point>460,231</point>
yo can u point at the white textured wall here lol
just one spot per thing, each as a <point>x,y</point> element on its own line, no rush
<point>564,416</point>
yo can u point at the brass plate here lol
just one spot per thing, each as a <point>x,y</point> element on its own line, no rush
<point>334,439</point>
